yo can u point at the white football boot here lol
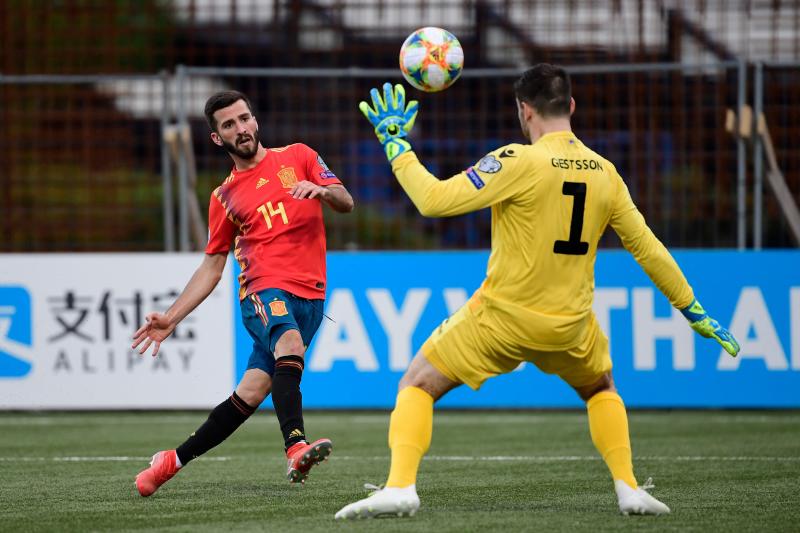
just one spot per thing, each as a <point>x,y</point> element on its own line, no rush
<point>638,501</point>
<point>391,501</point>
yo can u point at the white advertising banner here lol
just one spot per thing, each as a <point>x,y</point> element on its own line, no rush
<point>66,322</point>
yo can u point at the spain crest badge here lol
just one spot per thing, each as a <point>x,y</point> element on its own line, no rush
<point>278,308</point>
<point>288,177</point>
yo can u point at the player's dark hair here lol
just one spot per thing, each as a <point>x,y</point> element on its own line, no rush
<point>546,88</point>
<point>221,100</point>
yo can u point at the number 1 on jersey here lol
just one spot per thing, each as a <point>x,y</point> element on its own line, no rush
<point>574,246</point>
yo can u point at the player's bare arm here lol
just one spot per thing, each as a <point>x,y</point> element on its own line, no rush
<point>159,326</point>
<point>335,196</point>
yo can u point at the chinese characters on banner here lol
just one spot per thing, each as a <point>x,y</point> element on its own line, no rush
<point>82,314</point>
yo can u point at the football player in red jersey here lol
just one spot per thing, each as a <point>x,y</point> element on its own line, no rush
<point>269,209</point>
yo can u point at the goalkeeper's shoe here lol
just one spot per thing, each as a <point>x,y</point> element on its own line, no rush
<point>302,456</point>
<point>391,501</point>
<point>162,467</point>
<point>638,500</point>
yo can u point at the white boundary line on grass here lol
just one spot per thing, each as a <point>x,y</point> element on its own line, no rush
<point>82,459</point>
<point>568,458</point>
<point>454,458</point>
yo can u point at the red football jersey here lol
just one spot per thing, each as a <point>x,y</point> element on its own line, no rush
<point>278,241</point>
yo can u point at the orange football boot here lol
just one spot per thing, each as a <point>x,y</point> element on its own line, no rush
<point>162,467</point>
<point>302,456</point>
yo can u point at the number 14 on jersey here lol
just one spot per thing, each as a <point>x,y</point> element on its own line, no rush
<point>268,211</point>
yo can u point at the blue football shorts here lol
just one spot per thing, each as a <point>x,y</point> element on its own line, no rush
<point>269,314</point>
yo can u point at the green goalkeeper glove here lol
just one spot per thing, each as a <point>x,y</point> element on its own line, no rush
<point>392,118</point>
<point>708,327</point>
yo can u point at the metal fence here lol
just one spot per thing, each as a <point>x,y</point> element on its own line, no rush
<point>662,125</point>
<point>82,167</point>
<point>777,94</point>
<point>90,36</point>
<point>85,165</point>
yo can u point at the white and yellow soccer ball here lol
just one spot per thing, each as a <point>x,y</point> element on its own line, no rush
<point>431,59</point>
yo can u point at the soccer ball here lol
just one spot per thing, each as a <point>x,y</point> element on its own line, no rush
<point>431,59</point>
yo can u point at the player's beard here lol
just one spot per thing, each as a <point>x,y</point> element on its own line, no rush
<point>244,153</point>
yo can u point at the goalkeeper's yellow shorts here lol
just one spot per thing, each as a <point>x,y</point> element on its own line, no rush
<point>466,350</point>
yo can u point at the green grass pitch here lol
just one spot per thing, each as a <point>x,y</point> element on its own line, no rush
<point>498,471</point>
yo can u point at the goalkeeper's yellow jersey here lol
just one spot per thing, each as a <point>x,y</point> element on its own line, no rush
<point>551,202</point>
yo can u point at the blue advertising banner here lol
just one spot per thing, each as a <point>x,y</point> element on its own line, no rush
<point>383,305</point>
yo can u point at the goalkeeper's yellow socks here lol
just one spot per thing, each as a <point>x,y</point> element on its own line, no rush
<point>608,424</point>
<point>410,431</point>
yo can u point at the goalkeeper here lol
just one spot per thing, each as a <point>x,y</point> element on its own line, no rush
<point>551,201</point>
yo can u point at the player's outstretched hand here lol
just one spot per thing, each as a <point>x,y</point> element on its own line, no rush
<point>710,328</point>
<point>157,327</point>
<point>391,118</point>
